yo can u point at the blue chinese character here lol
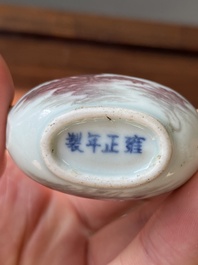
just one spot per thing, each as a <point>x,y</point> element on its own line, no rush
<point>93,141</point>
<point>134,144</point>
<point>73,141</point>
<point>111,147</point>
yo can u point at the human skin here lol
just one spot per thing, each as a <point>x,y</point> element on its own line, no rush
<point>45,227</point>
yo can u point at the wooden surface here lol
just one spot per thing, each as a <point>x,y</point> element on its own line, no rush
<point>97,28</point>
<point>40,45</point>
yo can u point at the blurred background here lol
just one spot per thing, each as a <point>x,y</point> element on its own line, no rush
<point>172,11</point>
<point>155,40</point>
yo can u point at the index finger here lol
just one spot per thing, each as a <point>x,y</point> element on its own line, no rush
<point>6,96</point>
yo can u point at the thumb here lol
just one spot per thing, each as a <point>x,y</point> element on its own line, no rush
<point>6,96</point>
<point>171,235</point>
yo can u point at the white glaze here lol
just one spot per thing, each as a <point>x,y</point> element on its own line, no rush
<point>39,124</point>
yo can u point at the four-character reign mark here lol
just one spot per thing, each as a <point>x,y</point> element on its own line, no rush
<point>133,144</point>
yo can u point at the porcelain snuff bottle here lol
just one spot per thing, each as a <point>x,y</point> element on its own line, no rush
<point>105,136</point>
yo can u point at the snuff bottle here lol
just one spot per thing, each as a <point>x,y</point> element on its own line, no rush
<point>105,136</point>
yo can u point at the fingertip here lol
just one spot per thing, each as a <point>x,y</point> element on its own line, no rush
<point>6,97</point>
<point>6,78</point>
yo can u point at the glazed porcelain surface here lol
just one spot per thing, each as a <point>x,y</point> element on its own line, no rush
<point>105,136</point>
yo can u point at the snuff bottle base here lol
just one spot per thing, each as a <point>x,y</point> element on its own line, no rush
<point>106,147</point>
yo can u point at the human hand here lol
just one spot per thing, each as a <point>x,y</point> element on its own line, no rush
<point>45,227</point>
